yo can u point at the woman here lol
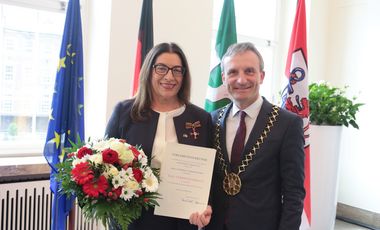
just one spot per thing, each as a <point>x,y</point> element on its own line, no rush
<point>158,114</point>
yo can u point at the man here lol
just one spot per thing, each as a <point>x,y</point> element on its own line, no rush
<point>259,174</point>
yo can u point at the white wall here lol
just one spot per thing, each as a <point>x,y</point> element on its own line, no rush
<point>189,24</point>
<point>96,36</point>
<point>343,50</point>
<point>357,65</point>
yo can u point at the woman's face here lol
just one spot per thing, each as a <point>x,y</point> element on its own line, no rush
<point>167,76</point>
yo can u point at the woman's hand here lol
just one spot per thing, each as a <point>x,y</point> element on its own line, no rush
<point>202,219</point>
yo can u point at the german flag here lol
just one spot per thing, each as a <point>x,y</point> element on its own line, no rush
<point>145,40</point>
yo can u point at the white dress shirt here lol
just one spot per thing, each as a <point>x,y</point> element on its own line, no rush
<point>233,120</point>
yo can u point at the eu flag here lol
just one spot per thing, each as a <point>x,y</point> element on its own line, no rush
<point>66,121</point>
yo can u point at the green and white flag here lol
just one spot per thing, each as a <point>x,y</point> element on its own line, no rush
<point>217,95</point>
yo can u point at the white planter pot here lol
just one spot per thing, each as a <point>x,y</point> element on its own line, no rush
<point>324,164</point>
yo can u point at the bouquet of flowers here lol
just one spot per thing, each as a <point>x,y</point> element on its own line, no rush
<point>111,180</point>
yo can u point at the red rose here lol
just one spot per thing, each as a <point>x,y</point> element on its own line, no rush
<point>82,173</point>
<point>110,156</point>
<point>96,187</point>
<point>137,174</point>
<point>146,200</point>
<point>84,151</point>
<point>135,152</point>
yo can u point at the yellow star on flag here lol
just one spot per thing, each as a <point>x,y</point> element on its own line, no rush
<point>61,63</point>
<point>56,139</point>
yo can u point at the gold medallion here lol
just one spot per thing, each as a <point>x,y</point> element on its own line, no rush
<point>232,184</point>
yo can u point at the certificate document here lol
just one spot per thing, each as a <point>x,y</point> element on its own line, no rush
<point>185,175</point>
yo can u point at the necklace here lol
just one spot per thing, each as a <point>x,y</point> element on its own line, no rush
<point>232,182</point>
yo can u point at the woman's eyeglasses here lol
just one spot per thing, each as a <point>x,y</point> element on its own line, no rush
<point>163,69</point>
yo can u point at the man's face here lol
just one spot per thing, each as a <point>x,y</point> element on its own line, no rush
<point>243,78</point>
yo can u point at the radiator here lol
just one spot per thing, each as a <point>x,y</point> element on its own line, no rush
<point>27,206</point>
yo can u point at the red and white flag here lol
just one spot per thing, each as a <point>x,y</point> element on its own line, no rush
<point>296,93</point>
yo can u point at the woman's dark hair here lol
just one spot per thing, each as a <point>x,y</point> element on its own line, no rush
<point>143,99</point>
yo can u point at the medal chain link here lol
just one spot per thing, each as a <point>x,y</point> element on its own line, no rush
<point>249,157</point>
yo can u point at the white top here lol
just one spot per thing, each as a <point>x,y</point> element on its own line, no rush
<point>165,133</point>
<point>233,120</point>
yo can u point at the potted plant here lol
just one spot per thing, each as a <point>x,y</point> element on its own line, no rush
<point>330,110</point>
<point>330,106</point>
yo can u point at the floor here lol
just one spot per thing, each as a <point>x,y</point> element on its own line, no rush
<point>341,225</point>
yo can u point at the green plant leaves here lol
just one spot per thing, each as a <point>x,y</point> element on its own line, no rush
<point>330,106</point>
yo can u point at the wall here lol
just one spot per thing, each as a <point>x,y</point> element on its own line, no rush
<point>357,31</point>
<point>343,48</point>
<point>96,44</point>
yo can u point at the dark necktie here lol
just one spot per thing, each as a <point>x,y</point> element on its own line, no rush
<point>238,144</point>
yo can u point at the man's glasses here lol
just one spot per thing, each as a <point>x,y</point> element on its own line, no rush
<point>162,69</point>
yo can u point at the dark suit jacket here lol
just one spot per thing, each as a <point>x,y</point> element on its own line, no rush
<point>121,125</point>
<point>272,190</point>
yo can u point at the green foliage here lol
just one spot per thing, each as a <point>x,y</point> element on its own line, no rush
<point>330,106</point>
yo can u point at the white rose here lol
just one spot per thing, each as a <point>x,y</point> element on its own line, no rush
<point>96,159</point>
<point>118,146</point>
<point>110,171</point>
<point>113,171</point>
<point>126,157</point>
<point>132,185</point>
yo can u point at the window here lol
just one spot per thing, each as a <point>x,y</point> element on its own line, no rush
<point>6,105</point>
<point>256,23</point>
<point>8,75</point>
<point>30,39</point>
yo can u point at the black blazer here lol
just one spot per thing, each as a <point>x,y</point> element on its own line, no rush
<point>272,192</point>
<point>121,125</point>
